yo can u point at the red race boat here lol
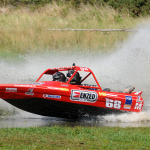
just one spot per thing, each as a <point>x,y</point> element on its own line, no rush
<point>70,97</point>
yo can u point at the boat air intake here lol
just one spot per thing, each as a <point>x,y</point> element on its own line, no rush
<point>129,89</point>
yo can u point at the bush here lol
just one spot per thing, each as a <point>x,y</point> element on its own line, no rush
<point>135,7</point>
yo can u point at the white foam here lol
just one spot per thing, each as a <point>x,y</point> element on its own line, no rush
<point>132,117</point>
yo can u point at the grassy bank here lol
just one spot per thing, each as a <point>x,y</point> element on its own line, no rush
<point>75,138</point>
<point>22,30</point>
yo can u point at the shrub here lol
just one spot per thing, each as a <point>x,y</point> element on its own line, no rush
<point>135,7</point>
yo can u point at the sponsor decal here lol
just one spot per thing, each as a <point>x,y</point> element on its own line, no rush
<point>83,96</point>
<point>38,83</point>
<point>111,95</point>
<point>62,68</point>
<point>29,92</point>
<point>24,85</point>
<point>11,90</point>
<point>54,88</point>
<point>137,93</point>
<point>138,106</point>
<point>64,89</point>
<point>51,96</point>
<point>139,97</point>
<point>102,94</point>
<point>64,84</point>
<point>84,69</point>
<point>139,101</point>
<point>128,102</point>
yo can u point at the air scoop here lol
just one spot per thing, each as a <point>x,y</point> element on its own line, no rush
<point>129,89</point>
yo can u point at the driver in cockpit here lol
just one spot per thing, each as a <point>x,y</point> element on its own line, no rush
<point>59,76</point>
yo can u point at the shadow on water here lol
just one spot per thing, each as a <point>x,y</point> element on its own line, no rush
<point>128,65</point>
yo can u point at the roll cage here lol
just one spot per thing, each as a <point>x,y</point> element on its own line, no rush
<point>51,71</point>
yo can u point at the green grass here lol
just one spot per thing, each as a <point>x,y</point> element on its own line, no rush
<point>57,137</point>
<point>22,30</point>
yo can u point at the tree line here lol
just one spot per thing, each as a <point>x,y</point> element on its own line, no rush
<point>133,7</point>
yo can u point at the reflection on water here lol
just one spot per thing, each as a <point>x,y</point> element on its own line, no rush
<point>19,121</point>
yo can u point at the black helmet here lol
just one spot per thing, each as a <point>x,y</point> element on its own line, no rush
<point>59,76</point>
<point>70,73</point>
<point>76,79</point>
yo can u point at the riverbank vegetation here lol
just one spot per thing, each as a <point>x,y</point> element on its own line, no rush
<point>22,28</point>
<point>134,7</point>
<point>57,137</point>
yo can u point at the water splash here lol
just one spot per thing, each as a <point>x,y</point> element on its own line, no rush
<point>131,65</point>
<point>132,117</point>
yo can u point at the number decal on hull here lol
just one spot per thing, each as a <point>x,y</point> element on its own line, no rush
<point>113,103</point>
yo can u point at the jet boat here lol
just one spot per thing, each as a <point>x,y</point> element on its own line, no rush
<point>70,100</point>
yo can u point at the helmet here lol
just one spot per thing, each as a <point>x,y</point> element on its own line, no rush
<point>59,76</point>
<point>70,73</point>
<point>76,79</point>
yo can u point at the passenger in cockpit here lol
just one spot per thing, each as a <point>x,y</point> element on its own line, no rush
<point>76,79</point>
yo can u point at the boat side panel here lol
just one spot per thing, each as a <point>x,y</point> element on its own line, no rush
<point>62,93</point>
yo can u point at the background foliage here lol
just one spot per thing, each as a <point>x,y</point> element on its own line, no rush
<point>134,7</point>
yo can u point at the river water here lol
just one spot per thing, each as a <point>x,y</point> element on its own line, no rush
<point>128,65</point>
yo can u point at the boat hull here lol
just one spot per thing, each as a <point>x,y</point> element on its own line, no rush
<point>60,109</point>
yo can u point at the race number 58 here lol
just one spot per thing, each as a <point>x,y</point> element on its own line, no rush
<point>113,103</point>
